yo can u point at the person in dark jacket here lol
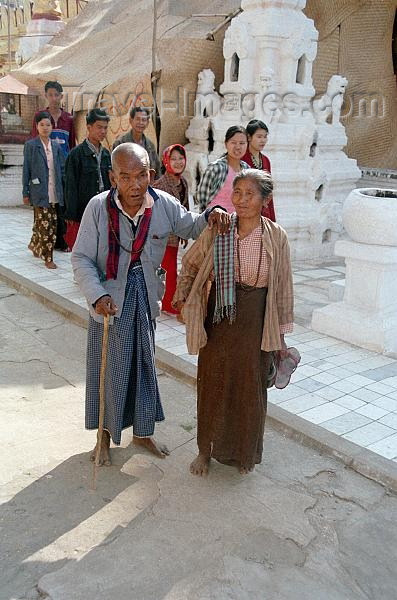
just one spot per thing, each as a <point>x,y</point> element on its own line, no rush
<point>42,181</point>
<point>87,172</point>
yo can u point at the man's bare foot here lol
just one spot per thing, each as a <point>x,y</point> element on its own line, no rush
<point>150,444</point>
<point>104,454</point>
<point>35,254</point>
<point>51,265</point>
<point>200,465</point>
<point>245,470</point>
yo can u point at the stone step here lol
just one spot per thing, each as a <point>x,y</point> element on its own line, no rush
<point>336,290</point>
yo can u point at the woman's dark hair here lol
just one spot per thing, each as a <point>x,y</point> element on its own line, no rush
<point>254,125</point>
<point>53,85</point>
<point>262,178</point>
<point>233,130</point>
<point>42,115</point>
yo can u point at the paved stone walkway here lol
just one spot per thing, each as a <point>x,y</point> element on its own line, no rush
<point>301,526</point>
<point>345,389</point>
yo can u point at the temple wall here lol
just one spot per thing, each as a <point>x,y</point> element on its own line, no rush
<point>355,40</point>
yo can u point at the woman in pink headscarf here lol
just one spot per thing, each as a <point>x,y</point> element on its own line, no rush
<point>174,161</point>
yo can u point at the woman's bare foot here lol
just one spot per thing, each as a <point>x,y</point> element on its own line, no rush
<point>35,254</point>
<point>150,444</point>
<point>200,465</point>
<point>245,470</point>
<point>51,265</point>
<point>104,454</point>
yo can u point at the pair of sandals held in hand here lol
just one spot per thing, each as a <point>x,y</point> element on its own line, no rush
<point>281,369</point>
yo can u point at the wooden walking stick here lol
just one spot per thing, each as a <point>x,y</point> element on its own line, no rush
<point>102,378</point>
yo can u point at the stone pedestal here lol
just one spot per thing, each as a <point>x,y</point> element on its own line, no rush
<point>367,315</point>
<point>11,162</point>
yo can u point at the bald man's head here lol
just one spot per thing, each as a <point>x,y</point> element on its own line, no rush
<point>129,152</point>
<point>130,175</point>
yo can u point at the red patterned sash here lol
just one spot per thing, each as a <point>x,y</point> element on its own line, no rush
<point>112,263</point>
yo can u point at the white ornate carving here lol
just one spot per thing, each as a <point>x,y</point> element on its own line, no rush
<point>228,47</point>
<point>331,102</point>
<point>276,45</point>
<point>236,40</point>
<point>266,79</point>
<point>208,101</point>
<point>206,82</point>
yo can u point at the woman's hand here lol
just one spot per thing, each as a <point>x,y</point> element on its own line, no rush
<point>220,219</point>
<point>105,306</point>
<point>178,305</point>
<point>283,353</point>
<point>26,200</point>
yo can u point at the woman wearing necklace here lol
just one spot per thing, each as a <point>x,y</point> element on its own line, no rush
<point>236,299</point>
<point>172,182</point>
<point>257,139</point>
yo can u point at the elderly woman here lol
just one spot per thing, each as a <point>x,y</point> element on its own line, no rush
<point>236,298</point>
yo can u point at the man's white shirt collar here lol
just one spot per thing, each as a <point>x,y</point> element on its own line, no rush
<point>147,203</point>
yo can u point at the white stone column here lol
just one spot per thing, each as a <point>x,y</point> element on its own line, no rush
<point>367,315</point>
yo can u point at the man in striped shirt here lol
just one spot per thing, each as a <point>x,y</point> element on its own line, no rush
<point>62,121</point>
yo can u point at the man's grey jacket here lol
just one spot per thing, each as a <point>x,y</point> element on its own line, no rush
<point>91,249</point>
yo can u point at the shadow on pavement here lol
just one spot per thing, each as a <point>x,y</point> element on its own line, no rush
<point>50,507</point>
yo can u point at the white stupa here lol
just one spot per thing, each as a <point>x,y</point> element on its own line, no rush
<point>269,51</point>
<point>45,23</point>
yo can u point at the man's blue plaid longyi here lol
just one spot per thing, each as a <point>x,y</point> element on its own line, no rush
<point>131,394</point>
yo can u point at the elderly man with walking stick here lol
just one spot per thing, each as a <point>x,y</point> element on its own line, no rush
<point>116,261</point>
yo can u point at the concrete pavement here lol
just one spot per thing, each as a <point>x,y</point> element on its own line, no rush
<point>302,526</point>
<point>340,388</point>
